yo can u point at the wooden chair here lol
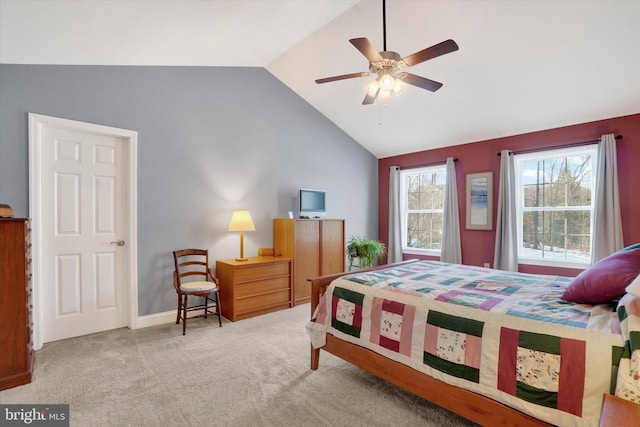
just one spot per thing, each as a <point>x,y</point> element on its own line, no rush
<point>193,277</point>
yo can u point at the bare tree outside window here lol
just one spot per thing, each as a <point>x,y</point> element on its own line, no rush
<point>425,191</point>
<point>556,205</point>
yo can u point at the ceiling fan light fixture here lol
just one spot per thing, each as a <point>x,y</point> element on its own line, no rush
<point>387,82</point>
<point>372,87</point>
<point>399,87</point>
<point>384,94</point>
<point>386,85</point>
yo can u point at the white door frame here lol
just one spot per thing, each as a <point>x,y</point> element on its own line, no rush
<point>36,123</point>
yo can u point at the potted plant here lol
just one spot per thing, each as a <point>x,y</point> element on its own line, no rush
<point>366,250</point>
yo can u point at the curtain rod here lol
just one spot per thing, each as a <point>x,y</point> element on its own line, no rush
<point>573,144</point>
<point>427,164</point>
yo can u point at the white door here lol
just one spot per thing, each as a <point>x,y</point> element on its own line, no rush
<point>83,230</point>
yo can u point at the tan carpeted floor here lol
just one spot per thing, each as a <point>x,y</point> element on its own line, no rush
<point>254,372</point>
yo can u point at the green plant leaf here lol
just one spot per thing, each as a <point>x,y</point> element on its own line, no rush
<point>367,250</point>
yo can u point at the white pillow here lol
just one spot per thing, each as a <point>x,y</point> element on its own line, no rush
<point>634,287</point>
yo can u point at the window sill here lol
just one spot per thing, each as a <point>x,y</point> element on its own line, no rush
<point>425,252</point>
<point>552,263</point>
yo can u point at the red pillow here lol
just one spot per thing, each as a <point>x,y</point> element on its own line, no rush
<point>605,280</point>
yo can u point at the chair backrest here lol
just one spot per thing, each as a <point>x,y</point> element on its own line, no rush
<point>192,264</point>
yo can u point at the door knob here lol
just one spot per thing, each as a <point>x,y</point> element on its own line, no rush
<point>119,242</point>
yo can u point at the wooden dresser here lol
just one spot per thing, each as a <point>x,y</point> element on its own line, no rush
<point>316,246</point>
<point>256,286</point>
<point>16,347</point>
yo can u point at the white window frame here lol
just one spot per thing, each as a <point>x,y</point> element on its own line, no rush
<point>404,211</point>
<point>519,159</point>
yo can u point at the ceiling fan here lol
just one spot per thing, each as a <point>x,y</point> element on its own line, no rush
<point>389,66</point>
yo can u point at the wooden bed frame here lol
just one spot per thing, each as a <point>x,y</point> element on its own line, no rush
<point>470,405</point>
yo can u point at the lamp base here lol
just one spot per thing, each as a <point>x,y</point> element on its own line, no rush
<point>242,259</point>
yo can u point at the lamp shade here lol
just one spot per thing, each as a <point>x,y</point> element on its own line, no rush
<point>241,221</point>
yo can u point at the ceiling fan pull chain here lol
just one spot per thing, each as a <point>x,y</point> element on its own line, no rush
<point>381,110</point>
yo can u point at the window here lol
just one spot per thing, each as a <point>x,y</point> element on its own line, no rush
<point>423,192</point>
<point>555,205</point>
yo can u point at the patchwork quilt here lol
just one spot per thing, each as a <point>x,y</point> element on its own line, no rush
<point>505,335</point>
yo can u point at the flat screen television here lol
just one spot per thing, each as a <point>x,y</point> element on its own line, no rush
<point>312,203</point>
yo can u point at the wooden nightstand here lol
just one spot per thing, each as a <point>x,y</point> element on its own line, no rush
<point>253,287</point>
<point>617,412</point>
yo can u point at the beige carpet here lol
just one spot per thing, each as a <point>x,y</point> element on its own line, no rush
<point>254,372</point>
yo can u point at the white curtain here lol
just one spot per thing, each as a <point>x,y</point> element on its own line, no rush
<point>607,222</point>
<point>394,248</point>
<point>506,251</point>
<point>451,249</point>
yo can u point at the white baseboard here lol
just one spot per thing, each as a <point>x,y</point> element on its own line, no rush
<point>155,319</point>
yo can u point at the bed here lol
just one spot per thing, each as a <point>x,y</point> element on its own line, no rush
<point>498,348</point>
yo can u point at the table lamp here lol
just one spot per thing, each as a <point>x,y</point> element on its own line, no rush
<point>241,221</point>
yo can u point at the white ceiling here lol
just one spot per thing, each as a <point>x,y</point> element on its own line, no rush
<point>522,65</point>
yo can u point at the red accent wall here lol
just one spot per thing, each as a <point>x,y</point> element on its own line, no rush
<point>478,246</point>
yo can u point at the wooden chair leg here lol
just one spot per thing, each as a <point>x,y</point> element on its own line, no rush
<point>206,306</point>
<point>184,315</point>
<point>218,310</point>
<point>179,310</point>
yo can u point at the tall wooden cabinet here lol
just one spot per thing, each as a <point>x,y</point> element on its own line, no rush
<point>316,246</point>
<point>16,348</point>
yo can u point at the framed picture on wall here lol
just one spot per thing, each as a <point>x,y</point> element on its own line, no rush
<point>480,201</point>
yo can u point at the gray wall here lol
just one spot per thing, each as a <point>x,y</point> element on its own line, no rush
<point>210,140</point>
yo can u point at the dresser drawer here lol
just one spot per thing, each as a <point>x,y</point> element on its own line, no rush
<point>261,271</point>
<point>259,302</point>
<point>262,286</point>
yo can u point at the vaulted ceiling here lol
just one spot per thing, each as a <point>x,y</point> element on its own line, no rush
<point>522,65</point>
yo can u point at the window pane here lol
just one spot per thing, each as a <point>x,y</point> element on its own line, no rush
<point>413,194</point>
<point>557,182</point>
<point>426,191</point>
<point>557,235</point>
<point>424,230</point>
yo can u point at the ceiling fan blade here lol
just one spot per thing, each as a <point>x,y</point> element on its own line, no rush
<point>421,82</point>
<point>368,99</point>
<point>434,51</point>
<point>367,49</point>
<point>343,77</point>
